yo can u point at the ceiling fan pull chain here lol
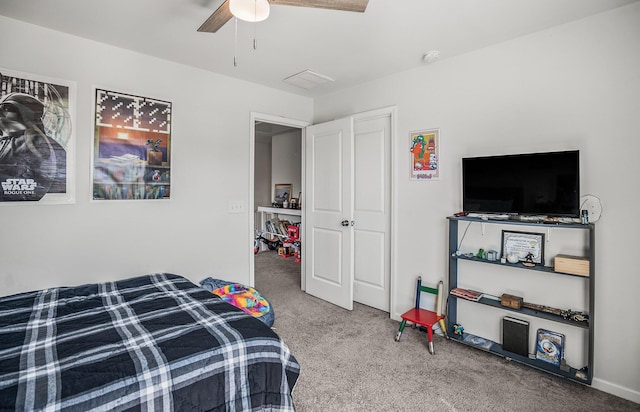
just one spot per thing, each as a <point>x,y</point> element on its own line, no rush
<point>255,13</point>
<point>235,45</point>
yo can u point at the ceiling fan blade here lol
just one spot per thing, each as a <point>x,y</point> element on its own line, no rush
<point>345,5</point>
<point>223,13</point>
<point>217,19</point>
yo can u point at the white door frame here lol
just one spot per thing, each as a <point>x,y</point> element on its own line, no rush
<point>261,117</point>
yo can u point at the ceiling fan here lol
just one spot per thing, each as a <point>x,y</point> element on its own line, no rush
<point>259,10</point>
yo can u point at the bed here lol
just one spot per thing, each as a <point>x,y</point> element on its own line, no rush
<point>154,342</point>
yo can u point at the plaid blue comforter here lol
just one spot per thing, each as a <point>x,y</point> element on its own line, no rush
<point>155,342</point>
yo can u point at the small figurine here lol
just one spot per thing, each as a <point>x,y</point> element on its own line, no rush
<point>458,329</point>
<point>575,316</point>
<point>528,260</point>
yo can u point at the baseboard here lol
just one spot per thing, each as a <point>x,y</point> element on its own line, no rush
<point>617,390</point>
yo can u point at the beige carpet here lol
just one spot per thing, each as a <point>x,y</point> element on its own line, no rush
<point>350,361</point>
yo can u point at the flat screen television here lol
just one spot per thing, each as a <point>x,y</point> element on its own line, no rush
<point>524,184</point>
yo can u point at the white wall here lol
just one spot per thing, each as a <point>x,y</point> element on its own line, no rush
<point>262,175</point>
<point>277,160</point>
<point>192,234</point>
<point>576,86</point>
<point>286,167</point>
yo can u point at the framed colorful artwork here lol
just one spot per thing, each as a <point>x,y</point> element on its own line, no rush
<point>425,154</point>
<point>132,147</point>
<point>37,145</point>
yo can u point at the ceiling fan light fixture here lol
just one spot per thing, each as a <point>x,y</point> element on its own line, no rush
<point>250,10</point>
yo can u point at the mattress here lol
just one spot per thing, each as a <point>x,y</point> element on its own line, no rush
<point>154,342</point>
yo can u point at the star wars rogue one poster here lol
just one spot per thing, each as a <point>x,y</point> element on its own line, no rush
<point>35,139</point>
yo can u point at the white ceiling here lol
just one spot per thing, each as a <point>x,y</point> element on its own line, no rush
<point>390,37</point>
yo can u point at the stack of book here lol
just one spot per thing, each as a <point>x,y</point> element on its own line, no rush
<point>466,294</point>
<point>278,227</point>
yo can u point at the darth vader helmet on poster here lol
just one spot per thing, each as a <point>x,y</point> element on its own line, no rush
<point>32,163</point>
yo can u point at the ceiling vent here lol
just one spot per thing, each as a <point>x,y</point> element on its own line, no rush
<point>307,79</point>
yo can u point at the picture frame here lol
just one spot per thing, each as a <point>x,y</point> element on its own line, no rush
<point>40,166</point>
<point>424,154</point>
<point>132,147</point>
<point>282,192</point>
<point>522,244</point>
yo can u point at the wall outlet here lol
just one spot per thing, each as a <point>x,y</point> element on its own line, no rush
<point>236,206</point>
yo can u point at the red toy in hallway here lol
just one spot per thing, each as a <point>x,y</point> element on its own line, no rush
<point>292,242</point>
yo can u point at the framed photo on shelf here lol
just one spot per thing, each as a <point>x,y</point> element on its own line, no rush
<point>282,192</point>
<point>523,244</point>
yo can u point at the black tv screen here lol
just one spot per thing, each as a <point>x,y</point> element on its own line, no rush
<point>526,184</point>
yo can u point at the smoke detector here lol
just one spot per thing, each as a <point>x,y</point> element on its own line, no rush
<point>431,56</point>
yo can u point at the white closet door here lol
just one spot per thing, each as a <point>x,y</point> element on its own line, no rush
<point>371,211</point>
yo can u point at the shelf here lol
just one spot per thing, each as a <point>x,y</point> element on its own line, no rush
<point>527,311</point>
<point>263,210</point>
<point>521,223</point>
<point>280,211</point>
<point>539,268</point>
<point>584,375</point>
<point>572,373</point>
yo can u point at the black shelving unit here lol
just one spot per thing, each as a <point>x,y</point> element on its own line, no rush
<point>584,375</point>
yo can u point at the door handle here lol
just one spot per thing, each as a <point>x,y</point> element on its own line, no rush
<point>347,223</point>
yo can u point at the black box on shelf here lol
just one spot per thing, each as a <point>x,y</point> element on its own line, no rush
<point>515,335</point>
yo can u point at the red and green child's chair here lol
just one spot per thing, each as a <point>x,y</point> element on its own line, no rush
<point>424,317</point>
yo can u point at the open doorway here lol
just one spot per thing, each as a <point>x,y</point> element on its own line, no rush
<point>367,218</point>
<point>277,181</point>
